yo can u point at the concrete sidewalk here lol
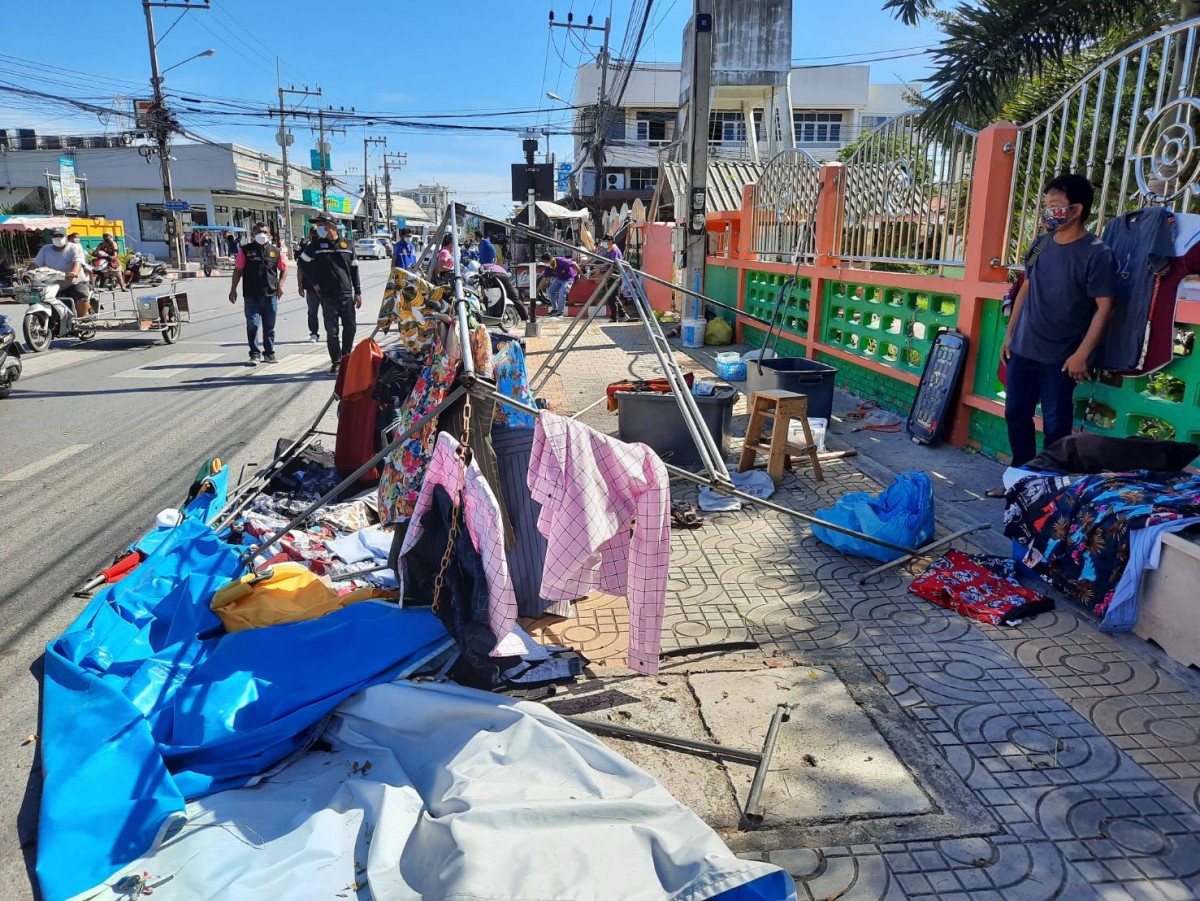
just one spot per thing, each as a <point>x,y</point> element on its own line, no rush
<point>1057,762</point>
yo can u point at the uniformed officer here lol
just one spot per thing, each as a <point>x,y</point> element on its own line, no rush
<point>260,267</point>
<point>331,270</point>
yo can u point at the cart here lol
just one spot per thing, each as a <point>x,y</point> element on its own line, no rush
<point>158,311</point>
<point>218,260</point>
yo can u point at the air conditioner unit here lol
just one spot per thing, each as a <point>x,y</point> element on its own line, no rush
<point>614,181</point>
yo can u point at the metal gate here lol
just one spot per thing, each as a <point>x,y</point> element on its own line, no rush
<point>785,206</point>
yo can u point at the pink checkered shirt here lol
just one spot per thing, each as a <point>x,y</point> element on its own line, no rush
<point>481,516</point>
<point>592,489</point>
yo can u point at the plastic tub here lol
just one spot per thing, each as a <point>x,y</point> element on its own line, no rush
<point>654,419</point>
<point>796,374</point>
<point>693,332</point>
<point>816,425</point>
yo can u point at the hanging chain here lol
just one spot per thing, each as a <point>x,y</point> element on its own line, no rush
<point>456,510</point>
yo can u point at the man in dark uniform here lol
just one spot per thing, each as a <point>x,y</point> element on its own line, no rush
<point>330,269</point>
<point>260,267</point>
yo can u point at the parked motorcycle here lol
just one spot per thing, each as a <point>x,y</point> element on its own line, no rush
<point>496,295</point>
<point>10,358</point>
<point>47,316</point>
<point>146,272</point>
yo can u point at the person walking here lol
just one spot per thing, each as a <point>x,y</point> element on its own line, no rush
<point>311,298</point>
<point>563,271</point>
<point>1058,318</point>
<point>331,270</point>
<point>404,254</point>
<point>260,268</point>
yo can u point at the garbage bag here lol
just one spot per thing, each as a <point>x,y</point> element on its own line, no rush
<point>718,331</point>
<point>901,514</point>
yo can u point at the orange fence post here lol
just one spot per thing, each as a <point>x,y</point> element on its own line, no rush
<point>826,222</point>
<point>987,232</point>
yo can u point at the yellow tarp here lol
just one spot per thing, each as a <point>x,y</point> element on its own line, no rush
<point>285,593</point>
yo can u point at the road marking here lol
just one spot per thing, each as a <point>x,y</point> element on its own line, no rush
<point>34,366</point>
<point>168,367</point>
<point>45,463</point>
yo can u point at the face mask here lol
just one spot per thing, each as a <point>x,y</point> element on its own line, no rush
<point>322,231</point>
<point>1056,217</point>
<point>260,238</point>
<point>59,241</point>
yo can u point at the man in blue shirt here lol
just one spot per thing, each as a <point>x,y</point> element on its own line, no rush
<point>487,250</point>
<point>405,252</point>
<point>1058,318</point>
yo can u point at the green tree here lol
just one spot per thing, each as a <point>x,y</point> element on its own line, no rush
<point>995,51</point>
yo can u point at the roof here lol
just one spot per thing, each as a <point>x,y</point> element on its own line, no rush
<point>28,223</point>
<point>726,178</point>
<point>409,210</point>
<point>553,211</point>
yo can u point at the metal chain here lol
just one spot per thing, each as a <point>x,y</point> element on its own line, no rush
<point>456,510</point>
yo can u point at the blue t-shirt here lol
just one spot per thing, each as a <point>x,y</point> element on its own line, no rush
<point>487,252</point>
<point>1064,281</point>
<point>405,254</point>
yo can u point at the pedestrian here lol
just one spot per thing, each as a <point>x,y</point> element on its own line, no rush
<point>231,244</point>
<point>486,249</point>
<point>331,271</point>
<point>404,254</point>
<point>610,251</point>
<point>194,240</point>
<point>563,271</point>
<point>1058,318</point>
<point>260,268</point>
<point>443,266</point>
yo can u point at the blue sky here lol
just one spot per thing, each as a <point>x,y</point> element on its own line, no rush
<point>402,58</point>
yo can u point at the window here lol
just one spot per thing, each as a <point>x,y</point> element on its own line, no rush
<point>818,128</point>
<point>869,122</point>
<point>614,124</point>
<point>726,128</point>
<point>643,179</point>
<point>151,222</point>
<point>655,128</point>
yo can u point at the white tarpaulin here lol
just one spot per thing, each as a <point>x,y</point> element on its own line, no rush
<point>439,791</point>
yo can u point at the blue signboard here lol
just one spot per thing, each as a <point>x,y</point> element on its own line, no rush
<point>318,160</point>
<point>563,177</point>
<point>177,206</point>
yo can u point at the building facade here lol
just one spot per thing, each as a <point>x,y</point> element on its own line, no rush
<point>430,198</point>
<point>831,107</point>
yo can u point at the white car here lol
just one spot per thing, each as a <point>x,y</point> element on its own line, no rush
<point>370,248</point>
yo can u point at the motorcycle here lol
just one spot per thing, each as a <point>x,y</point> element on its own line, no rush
<point>10,358</point>
<point>46,315</point>
<point>496,296</point>
<point>146,272</point>
<point>104,272</point>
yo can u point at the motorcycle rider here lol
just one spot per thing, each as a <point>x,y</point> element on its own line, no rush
<point>331,270</point>
<point>260,268</point>
<point>68,259</point>
<point>108,249</point>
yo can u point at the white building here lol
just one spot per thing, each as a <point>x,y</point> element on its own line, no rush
<point>225,184</point>
<point>831,107</point>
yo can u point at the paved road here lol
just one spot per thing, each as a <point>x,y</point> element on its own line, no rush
<point>95,440</point>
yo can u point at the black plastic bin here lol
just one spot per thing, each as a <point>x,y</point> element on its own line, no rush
<point>527,557</point>
<point>654,419</point>
<point>808,377</point>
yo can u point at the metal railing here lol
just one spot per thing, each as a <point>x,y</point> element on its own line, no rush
<point>785,204</point>
<point>907,194</point>
<point>1131,125</point>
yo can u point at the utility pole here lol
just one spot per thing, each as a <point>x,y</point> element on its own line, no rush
<point>367,203</point>
<point>321,151</point>
<point>601,128</point>
<point>284,139</point>
<point>530,146</point>
<point>699,107</point>
<point>163,126</point>
<point>401,161</point>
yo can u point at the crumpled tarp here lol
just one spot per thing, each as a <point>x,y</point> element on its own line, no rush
<point>147,703</point>
<point>439,791</point>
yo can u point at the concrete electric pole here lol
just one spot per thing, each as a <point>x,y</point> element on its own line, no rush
<point>284,139</point>
<point>401,160</point>
<point>699,109</point>
<point>367,195</point>
<point>600,131</point>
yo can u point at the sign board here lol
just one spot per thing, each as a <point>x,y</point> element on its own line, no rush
<point>540,176</point>
<point>177,206</point>
<point>143,114</point>
<point>318,160</point>
<point>71,195</point>
<point>401,222</point>
<point>563,178</point>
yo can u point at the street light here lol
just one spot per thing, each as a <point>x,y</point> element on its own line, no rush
<point>550,95</point>
<point>209,52</point>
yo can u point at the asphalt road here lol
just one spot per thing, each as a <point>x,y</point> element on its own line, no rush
<point>95,440</point>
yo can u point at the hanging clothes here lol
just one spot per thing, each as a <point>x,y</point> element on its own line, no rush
<point>592,489</point>
<point>1142,242</point>
<point>512,380</point>
<point>1161,344</point>
<point>981,587</point>
<point>358,410</point>
<point>417,307</point>
<point>481,521</point>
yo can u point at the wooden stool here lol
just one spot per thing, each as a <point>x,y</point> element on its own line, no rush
<point>782,407</point>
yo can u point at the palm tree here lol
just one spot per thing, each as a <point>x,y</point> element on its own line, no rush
<point>992,50</point>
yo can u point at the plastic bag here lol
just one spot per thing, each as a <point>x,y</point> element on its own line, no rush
<point>718,331</point>
<point>902,514</point>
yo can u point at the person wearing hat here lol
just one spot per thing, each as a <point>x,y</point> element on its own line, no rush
<point>260,268</point>
<point>331,270</point>
<point>68,259</point>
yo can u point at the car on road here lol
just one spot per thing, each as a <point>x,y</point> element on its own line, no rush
<point>370,248</point>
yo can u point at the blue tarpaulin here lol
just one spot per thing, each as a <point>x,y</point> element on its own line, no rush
<point>147,703</point>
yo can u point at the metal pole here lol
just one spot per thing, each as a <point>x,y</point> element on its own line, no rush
<point>754,813</point>
<point>699,108</point>
<point>161,133</point>
<point>599,727</point>
<point>460,300</point>
<point>532,328</point>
